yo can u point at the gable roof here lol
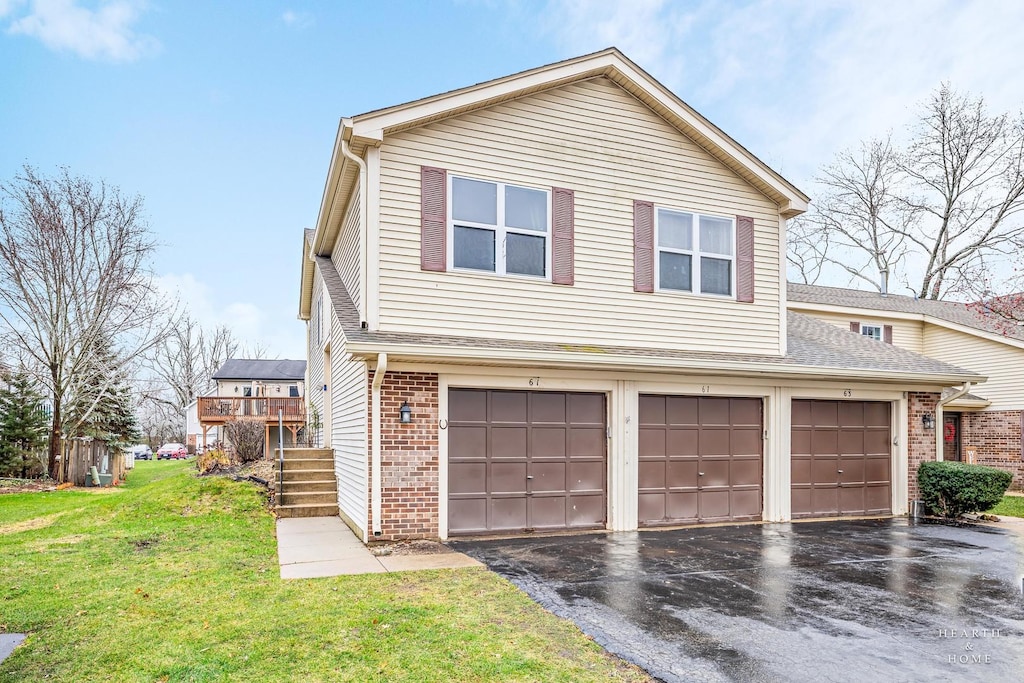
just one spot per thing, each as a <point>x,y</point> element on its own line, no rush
<point>939,312</point>
<point>269,370</point>
<point>815,348</point>
<point>370,128</point>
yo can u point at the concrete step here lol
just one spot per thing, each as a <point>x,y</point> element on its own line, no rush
<point>309,498</point>
<point>288,511</point>
<point>308,475</point>
<point>293,464</point>
<point>324,485</point>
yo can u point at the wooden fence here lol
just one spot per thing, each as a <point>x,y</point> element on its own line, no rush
<point>78,456</point>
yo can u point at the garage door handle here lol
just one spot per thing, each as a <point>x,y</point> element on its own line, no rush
<point>700,474</point>
<point>840,471</point>
<point>529,476</point>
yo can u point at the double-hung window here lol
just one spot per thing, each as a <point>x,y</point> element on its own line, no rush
<point>873,331</point>
<point>695,253</point>
<point>499,228</point>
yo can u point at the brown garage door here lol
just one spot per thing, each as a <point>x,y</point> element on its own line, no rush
<point>841,458</point>
<point>525,461</point>
<point>700,459</point>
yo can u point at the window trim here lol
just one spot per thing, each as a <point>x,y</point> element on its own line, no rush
<point>695,254</point>
<point>500,231</point>
<point>877,326</point>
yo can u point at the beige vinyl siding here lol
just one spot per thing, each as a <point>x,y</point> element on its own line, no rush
<point>906,334</point>
<point>346,254</point>
<point>1003,364</point>
<point>315,357</point>
<point>597,140</point>
<point>348,431</point>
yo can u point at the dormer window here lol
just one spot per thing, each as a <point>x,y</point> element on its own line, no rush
<point>873,331</point>
<point>499,228</point>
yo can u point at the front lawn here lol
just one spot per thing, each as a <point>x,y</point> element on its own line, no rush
<point>1009,506</point>
<point>175,578</point>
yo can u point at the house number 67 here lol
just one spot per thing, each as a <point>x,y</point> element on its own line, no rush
<point>535,381</point>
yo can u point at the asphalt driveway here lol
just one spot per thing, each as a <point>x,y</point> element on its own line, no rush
<point>876,600</point>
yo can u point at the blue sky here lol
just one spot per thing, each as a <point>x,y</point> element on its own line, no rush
<point>222,114</point>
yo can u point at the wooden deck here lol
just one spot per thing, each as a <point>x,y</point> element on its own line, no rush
<point>220,409</point>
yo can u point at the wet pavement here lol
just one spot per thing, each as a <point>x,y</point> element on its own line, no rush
<point>866,600</point>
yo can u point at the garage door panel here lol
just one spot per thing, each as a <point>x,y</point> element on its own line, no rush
<point>587,442</point>
<point>508,442</point>
<point>682,410</point>
<point>720,437</point>
<point>547,477</point>
<point>547,408</point>
<point>507,514</point>
<point>652,442</point>
<point>508,406</point>
<point>469,515</point>
<point>548,512</point>
<point>841,460</point>
<point>586,511</point>
<point>508,477</point>
<point>683,441</point>
<point>548,442</point>
<point>468,477</point>
<point>467,442</point>
<point>586,476</point>
<point>467,405</point>
<point>586,409</point>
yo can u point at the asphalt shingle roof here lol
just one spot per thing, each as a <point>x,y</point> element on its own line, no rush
<point>270,370</point>
<point>812,343</point>
<point>950,311</point>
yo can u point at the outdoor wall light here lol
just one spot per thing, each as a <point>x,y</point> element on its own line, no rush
<point>405,413</point>
<point>928,421</point>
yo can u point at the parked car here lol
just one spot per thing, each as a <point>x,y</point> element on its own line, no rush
<point>172,451</point>
<point>142,452</point>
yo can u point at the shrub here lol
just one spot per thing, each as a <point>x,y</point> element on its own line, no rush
<point>246,434</point>
<point>213,460</point>
<point>950,489</point>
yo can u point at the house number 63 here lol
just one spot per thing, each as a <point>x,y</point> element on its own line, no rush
<point>847,393</point>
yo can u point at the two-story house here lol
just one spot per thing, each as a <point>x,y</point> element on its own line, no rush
<point>557,301</point>
<point>985,423</point>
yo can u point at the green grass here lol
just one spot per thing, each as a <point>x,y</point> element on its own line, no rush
<point>175,578</point>
<point>1009,506</point>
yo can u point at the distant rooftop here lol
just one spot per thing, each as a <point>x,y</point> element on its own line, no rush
<point>270,370</point>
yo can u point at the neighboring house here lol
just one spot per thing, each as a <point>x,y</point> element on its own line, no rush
<point>557,301</point>
<point>195,438</point>
<point>269,390</point>
<point>983,425</point>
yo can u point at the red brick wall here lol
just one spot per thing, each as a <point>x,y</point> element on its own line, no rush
<point>922,441</point>
<point>409,456</point>
<point>997,437</point>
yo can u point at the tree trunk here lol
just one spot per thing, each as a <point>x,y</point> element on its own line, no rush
<point>55,444</point>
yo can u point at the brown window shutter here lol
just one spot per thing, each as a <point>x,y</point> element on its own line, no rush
<point>643,246</point>
<point>563,238</point>
<point>855,327</point>
<point>745,259</point>
<point>887,334</point>
<point>433,218</point>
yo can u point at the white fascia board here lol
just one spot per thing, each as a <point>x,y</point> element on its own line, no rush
<point>334,174</point>
<point>856,311</point>
<point>602,361</point>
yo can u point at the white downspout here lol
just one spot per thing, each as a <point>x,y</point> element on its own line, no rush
<point>363,225</point>
<point>938,416</point>
<point>378,380</point>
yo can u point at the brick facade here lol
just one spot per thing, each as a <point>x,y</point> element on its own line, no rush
<point>922,441</point>
<point>997,437</point>
<point>409,456</point>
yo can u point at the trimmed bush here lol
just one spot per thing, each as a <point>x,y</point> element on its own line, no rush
<point>950,489</point>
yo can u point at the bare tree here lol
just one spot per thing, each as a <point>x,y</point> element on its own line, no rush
<point>938,213</point>
<point>186,360</point>
<point>74,260</point>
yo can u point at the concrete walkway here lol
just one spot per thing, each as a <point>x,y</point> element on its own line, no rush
<point>315,547</point>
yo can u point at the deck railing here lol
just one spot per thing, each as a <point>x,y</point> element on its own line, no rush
<point>224,408</point>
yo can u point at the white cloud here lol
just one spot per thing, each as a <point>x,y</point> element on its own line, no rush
<point>297,20</point>
<point>106,32</point>
<point>798,81</point>
<point>250,323</point>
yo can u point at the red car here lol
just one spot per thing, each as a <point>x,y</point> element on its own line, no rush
<point>172,451</point>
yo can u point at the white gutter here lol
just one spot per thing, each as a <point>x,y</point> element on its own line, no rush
<point>939,429</point>
<point>363,223</point>
<point>375,486</point>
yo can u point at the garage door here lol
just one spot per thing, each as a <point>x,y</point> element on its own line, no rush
<point>841,458</point>
<point>525,461</point>
<point>700,459</point>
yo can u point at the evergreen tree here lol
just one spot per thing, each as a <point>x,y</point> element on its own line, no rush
<point>23,424</point>
<point>101,406</point>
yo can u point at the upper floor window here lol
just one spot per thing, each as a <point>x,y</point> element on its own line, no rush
<point>873,331</point>
<point>499,228</point>
<point>695,253</point>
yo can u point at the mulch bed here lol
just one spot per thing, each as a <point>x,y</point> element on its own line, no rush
<point>26,485</point>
